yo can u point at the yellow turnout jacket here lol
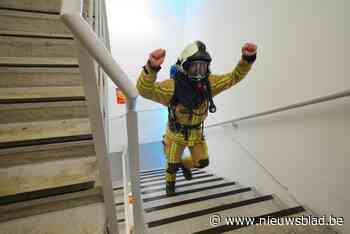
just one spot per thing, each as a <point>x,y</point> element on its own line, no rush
<point>162,92</point>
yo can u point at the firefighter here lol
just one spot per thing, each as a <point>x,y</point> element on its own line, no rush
<point>189,97</point>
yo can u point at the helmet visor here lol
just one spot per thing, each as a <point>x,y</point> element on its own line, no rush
<point>198,70</point>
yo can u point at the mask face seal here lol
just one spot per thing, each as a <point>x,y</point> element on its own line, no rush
<point>197,70</point>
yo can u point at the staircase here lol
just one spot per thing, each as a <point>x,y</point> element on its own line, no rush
<point>189,210</point>
<point>49,180</point>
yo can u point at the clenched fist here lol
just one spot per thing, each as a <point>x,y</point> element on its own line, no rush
<point>156,58</point>
<point>249,49</point>
<point>249,52</point>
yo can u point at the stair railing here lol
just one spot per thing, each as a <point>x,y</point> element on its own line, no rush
<point>345,93</point>
<point>94,57</point>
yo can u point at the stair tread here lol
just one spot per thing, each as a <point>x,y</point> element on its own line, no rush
<point>201,222</point>
<point>50,173</point>
<point>40,92</point>
<point>50,204</point>
<point>43,129</point>
<point>38,61</point>
<point>159,178</point>
<point>180,198</point>
<point>182,189</point>
<point>16,156</point>
<point>36,105</point>
<point>25,46</point>
<point>39,77</point>
<point>184,184</point>
<point>28,14</point>
<point>52,6</point>
<point>32,22</point>
<point>151,171</point>
<point>159,174</point>
<point>35,34</point>
<point>179,181</point>
<point>44,193</point>
<point>82,219</point>
<point>197,206</point>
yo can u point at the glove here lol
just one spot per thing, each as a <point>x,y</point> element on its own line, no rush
<point>156,58</point>
<point>249,52</point>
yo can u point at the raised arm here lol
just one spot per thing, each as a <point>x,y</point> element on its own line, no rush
<point>220,83</point>
<point>147,86</point>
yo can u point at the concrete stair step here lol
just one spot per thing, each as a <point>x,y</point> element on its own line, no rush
<point>184,184</point>
<point>179,181</point>
<point>195,221</point>
<point>52,6</point>
<point>42,111</point>
<point>119,200</point>
<point>159,172</point>
<point>46,174</point>
<point>42,62</point>
<point>118,196</point>
<point>32,22</point>
<point>188,189</point>
<point>13,132</point>
<point>15,95</point>
<point>35,34</point>
<point>159,178</point>
<point>120,214</point>
<point>16,77</point>
<point>44,193</point>
<point>26,46</point>
<point>17,156</point>
<point>206,191</point>
<point>75,213</point>
<point>283,229</point>
<point>196,205</point>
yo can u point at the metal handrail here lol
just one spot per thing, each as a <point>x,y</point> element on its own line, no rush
<point>92,50</point>
<point>338,95</point>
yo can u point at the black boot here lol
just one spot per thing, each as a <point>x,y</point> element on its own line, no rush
<point>186,172</point>
<point>170,188</point>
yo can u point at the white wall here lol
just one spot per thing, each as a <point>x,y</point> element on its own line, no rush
<point>302,49</point>
<point>137,28</point>
<point>302,55</point>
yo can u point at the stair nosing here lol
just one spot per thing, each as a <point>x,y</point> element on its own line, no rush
<point>45,141</point>
<point>208,211</point>
<point>215,179</point>
<point>42,99</point>
<point>160,177</point>
<point>154,170</point>
<point>197,199</point>
<point>37,36</point>
<point>35,105</point>
<point>50,204</point>
<point>163,173</point>
<point>43,147</point>
<point>30,11</point>
<point>164,196</point>
<point>43,193</point>
<point>178,180</point>
<point>28,14</point>
<point>162,170</point>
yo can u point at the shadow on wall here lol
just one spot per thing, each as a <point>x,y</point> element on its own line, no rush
<point>152,156</point>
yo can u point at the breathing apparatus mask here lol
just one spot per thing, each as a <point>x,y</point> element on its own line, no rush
<point>193,65</point>
<point>197,70</point>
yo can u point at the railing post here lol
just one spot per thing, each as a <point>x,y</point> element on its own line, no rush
<point>88,72</point>
<point>134,168</point>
